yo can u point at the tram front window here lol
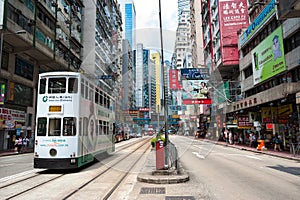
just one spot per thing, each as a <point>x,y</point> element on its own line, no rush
<point>43,86</point>
<point>54,127</point>
<point>57,85</point>
<point>69,126</point>
<point>73,85</point>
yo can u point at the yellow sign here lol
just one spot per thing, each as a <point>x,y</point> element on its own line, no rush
<point>285,109</point>
<point>54,108</point>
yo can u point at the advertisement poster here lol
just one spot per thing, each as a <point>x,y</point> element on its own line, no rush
<point>195,89</point>
<point>268,57</point>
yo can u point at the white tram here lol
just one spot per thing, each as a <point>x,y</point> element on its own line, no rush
<point>74,121</point>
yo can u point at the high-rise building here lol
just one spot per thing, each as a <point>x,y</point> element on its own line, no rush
<point>196,34</point>
<point>157,61</point>
<point>145,92</point>
<point>102,49</point>
<point>127,76</point>
<point>182,5</point>
<point>38,36</point>
<point>55,35</point>
<point>183,43</point>
<point>129,21</point>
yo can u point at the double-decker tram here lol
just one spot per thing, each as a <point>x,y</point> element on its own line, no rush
<point>74,121</point>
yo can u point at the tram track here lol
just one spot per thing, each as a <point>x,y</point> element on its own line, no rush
<point>32,185</point>
<point>111,191</point>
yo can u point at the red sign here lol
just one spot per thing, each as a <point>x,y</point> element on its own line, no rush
<point>269,126</point>
<point>233,16</point>
<point>196,101</point>
<point>173,79</point>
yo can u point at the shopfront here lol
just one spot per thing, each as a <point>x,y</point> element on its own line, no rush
<point>12,126</point>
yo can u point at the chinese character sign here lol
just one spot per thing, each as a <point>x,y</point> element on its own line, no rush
<point>233,17</point>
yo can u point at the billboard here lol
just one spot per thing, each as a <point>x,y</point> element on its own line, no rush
<point>233,15</point>
<point>268,57</point>
<point>194,73</point>
<point>195,89</point>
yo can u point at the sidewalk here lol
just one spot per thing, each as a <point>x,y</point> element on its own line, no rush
<point>14,152</point>
<point>269,151</point>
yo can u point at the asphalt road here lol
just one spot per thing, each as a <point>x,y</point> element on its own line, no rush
<point>215,171</point>
<point>228,173</point>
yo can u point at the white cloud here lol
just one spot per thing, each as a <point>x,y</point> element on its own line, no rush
<point>147,24</point>
<point>147,14</point>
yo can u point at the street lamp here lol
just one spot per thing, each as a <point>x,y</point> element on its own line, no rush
<point>1,44</point>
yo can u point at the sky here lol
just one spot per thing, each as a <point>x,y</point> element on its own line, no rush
<point>147,24</point>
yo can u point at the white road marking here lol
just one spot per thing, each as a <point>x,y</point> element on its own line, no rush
<point>229,155</point>
<point>198,155</point>
<point>20,174</point>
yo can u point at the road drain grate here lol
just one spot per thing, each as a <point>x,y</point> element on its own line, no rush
<point>153,190</point>
<point>179,198</point>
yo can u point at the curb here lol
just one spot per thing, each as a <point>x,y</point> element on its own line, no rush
<point>262,152</point>
<point>11,153</point>
<point>170,177</point>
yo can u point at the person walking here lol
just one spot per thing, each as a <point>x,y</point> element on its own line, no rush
<point>19,143</point>
<point>25,144</point>
<point>276,141</point>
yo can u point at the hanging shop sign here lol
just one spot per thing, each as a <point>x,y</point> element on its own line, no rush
<point>243,122</point>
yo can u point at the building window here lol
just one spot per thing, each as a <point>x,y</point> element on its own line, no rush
<point>24,68</point>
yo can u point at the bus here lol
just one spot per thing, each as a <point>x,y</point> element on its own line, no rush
<point>74,121</point>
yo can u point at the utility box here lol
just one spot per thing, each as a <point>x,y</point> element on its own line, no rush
<point>160,154</point>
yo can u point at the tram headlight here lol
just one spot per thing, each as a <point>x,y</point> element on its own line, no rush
<point>53,152</point>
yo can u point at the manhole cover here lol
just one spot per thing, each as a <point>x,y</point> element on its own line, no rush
<point>153,190</point>
<point>179,198</point>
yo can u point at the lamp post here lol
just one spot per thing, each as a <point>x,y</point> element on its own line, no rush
<point>1,44</point>
<point>164,88</point>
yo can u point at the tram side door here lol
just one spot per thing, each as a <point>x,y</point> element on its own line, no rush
<point>83,139</point>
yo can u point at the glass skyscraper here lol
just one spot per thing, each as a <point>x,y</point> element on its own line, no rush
<point>129,21</point>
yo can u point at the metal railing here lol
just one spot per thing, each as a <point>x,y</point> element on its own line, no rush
<point>171,154</point>
<point>295,148</point>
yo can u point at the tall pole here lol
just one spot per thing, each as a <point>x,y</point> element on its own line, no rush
<point>1,48</point>
<point>164,87</point>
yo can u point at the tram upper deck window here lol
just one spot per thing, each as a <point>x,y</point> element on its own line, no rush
<point>69,126</point>
<point>43,86</point>
<point>57,85</point>
<point>54,127</point>
<point>41,126</point>
<point>73,85</point>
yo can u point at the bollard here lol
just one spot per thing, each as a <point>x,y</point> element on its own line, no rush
<point>160,157</point>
